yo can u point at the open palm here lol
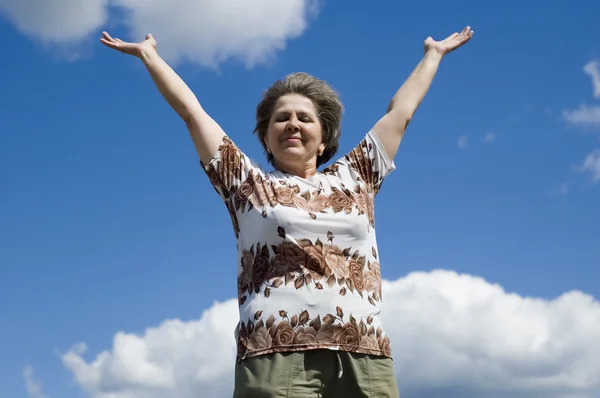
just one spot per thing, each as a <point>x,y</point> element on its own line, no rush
<point>450,43</point>
<point>136,49</point>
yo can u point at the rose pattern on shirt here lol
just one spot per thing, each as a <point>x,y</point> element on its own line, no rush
<point>306,263</point>
<point>312,264</point>
<point>301,332</point>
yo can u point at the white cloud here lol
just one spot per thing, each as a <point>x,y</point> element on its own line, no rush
<point>60,21</point>
<point>462,142</point>
<point>591,164</point>
<point>585,115</point>
<point>34,387</point>
<point>454,335</point>
<point>489,137</point>
<point>204,31</point>
<point>592,68</point>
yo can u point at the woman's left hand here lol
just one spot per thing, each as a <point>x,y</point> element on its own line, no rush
<point>450,43</point>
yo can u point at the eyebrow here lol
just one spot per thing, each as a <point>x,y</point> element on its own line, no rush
<point>300,113</point>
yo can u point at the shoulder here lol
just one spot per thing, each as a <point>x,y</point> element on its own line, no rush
<point>230,167</point>
<point>367,162</point>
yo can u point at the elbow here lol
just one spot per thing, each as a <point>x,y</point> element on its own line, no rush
<point>188,116</point>
<point>193,115</point>
<point>400,117</point>
<point>187,119</point>
<point>402,109</point>
<point>395,123</point>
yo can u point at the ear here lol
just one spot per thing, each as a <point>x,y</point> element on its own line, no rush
<point>321,149</point>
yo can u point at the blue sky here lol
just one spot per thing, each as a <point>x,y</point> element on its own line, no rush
<point>108,223</point>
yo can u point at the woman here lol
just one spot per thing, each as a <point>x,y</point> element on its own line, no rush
<point>309,282</point>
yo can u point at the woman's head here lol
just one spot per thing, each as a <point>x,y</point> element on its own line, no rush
<point>298,120</point>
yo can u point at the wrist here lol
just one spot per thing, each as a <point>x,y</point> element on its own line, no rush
<point>433,55</point>
<point>147,54</point>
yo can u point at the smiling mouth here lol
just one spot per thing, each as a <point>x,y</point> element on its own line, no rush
<point>292,139</point>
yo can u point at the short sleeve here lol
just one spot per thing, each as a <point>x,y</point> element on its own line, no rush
<point>229,168</point>
<point>369,161</point>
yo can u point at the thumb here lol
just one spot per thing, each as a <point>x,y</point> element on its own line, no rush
<point>148,36</point>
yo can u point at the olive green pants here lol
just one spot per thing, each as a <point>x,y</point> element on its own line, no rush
<point>315,373</point>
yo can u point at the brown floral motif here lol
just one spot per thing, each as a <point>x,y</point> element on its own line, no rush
<point>284,335</point>
<point>373,280</point>
<point>234,219</point>
<point>285,195</point>
<point>255,269</point>
<point>245,190</point>
<point>311,202</point>
<point>288,257</point>
<point>334,168</point>
<point>256,191</point>
<point>355,271</point>
<point>302,332</point>
<point>227,175</point>
<point>360,159</point>
<point>364,203</point>
<point>340,201</point>
<point>334,259</point>
<point>231,163</point>
<point>317,264</point>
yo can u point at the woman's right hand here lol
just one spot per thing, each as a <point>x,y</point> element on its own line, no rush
<point>135,49</point>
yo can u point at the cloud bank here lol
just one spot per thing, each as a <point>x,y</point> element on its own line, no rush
<point>203,31</point>
<point>454,335</point>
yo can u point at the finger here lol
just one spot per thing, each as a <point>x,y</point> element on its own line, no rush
<point>119,40</point>
<point>107,36</point>
<point>467,36</point>
<point>110,44</point>
<point>467,31</point>
<point>107,43</point>
<point>453,36</point>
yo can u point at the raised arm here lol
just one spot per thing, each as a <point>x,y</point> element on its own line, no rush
<point>206,134</point>
<point>390,128</point>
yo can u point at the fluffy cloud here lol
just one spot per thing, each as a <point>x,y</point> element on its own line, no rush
<point>587,115</point>
<point>203,31</point>
<point>62,21</point>
<point>33,387</point>
<point>584,115</point>
<point>591,164</point>
<point>454,335</point>
<point>592,68</point>
<point>462,142</point>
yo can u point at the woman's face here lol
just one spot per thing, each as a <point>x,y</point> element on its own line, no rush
<point>295,135</point>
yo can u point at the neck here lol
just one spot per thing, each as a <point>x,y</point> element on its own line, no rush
<point>303,170</point>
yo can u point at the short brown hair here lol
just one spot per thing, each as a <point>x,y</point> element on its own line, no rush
<point>327,102</point>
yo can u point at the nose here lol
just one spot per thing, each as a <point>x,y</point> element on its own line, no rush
<point>293,124</point>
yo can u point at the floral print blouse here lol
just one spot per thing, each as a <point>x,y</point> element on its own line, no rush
<point>308,266</point>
